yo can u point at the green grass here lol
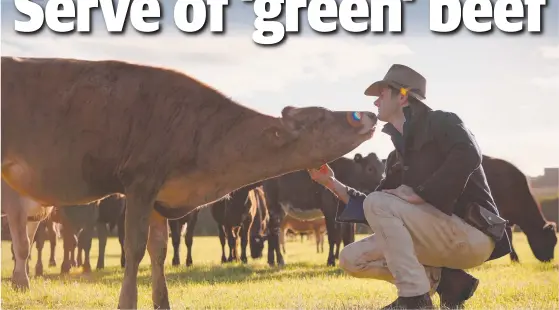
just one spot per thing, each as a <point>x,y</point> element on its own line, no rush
<point>305,282</point>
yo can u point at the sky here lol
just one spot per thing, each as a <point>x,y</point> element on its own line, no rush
<point>504,87</point>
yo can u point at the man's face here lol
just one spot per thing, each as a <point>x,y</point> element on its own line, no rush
<point>389,104</point>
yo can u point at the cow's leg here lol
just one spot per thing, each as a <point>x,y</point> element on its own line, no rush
<point>102,234</point>
<point>271,248</point>
<point>79,258</point>
<point>232,242</point>
<point>176,226</point>
<point>333,239</point>
<point>282,237</point>
<point>221,231</point>
<point>317,238</point>
<point>31,228</point>
<point>70,242</point>
<point>73,261</point>
<point>189,237</point>
<point>245,227</point>
<point>139,205</point>
<point>52,235</point>
<point>17,219</point>
<point>84,242</point>
<point>273,238</point>
<point>40,237</point>
<point>276,215</point>
<point>339,231</point>
<point>157,249</point>
<point>338,247</point>
<point>120,228</point>
<point>513,255</point>
<point>348,233</point>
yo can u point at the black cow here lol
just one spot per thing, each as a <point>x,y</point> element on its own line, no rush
<point>176,228</point>
<point>234,216</point>
<point>78,223</point>
<point>259,229</point>
<point>111,215</point>
<point>297,193</point>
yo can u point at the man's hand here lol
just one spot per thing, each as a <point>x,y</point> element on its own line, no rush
<point>405,192</point>
<point>323,176</point>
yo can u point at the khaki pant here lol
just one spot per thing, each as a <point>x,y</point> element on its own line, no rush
<point>411,243</point>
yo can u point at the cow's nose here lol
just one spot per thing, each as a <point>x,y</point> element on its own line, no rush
<point>372,116</point>
<point>365,121</point>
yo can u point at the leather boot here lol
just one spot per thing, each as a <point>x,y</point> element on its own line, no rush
<point>414,302</point>
<point>455,288</point>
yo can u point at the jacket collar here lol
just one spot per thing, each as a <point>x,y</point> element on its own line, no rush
<point>392,131</point>
<point>415,115</point>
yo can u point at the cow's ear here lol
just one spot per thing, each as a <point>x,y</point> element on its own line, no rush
<point>358,157</point>
<point>291,119</point>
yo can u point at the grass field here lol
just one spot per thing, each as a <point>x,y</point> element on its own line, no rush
<point>305,282</point>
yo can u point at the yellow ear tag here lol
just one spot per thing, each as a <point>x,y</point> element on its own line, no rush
<point>403,91</point>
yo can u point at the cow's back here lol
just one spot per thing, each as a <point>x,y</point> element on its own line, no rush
<point>511,191</point>
<point>54,123</point>
<point>94,123</point>
<point>65,100</point>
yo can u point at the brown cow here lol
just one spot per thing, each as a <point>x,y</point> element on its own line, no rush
<point>24,215</point>
<point>316,226</point>
<point>166,141</point>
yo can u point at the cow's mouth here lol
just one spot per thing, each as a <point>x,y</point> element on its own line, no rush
<point>368,131</point>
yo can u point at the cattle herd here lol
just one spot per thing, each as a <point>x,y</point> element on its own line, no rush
<point>97,145</point>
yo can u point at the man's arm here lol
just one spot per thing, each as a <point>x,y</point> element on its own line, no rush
<point>343,192</point>
<point>350,198</point>
<point>463,156</point>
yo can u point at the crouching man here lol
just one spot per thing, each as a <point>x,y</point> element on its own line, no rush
<point>433,214</point>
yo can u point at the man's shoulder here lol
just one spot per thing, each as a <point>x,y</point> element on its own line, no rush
<point>448,125</point>
<point>443,118</point>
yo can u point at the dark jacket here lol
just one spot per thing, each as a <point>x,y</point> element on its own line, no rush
<point>439,158</point>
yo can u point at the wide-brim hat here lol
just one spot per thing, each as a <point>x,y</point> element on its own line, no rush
<point>400,76</point>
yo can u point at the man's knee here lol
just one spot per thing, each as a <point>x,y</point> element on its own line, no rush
<point>378,203</point>
<point>346,259</point>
